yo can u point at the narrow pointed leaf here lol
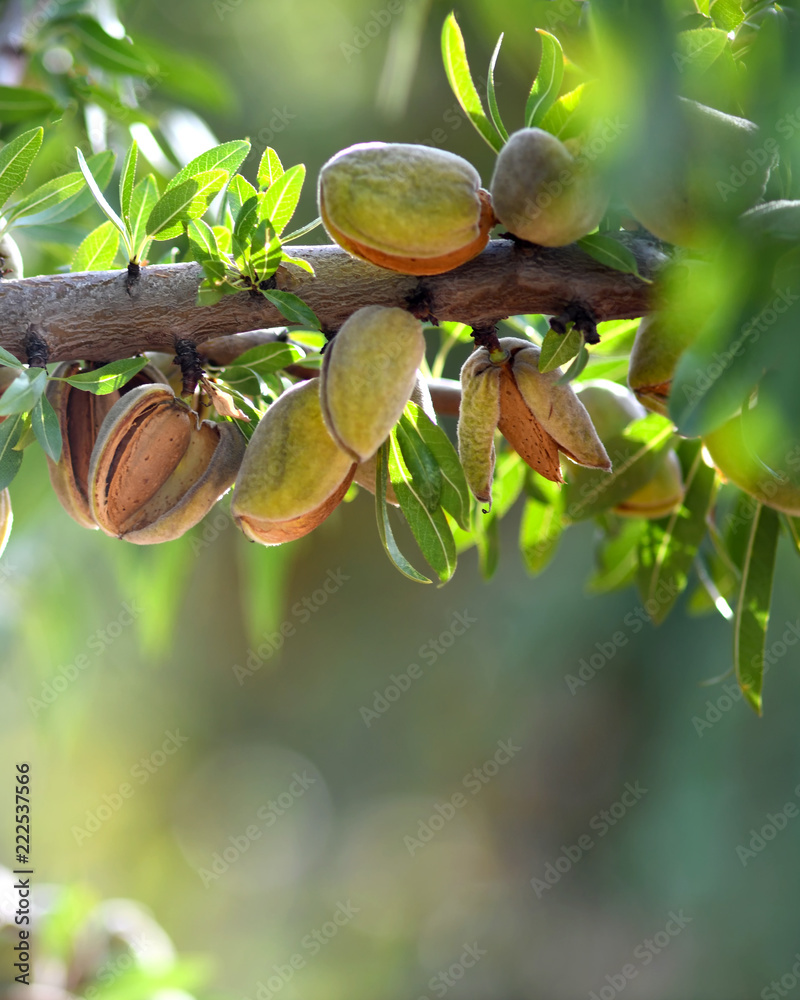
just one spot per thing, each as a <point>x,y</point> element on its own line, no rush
<point>611,253</point>
<point>270,168</point>
<point>227,157</point>
<point>422,465</point>
<point>547,84</point>
<point>10,459</point>
<point>23,392</point>
<point>109,377</point>
<point>491,97</point>
<point>752,610</point>
<point>102,49</point>
<point>179,205</point>
<point>46,428</point>
<point>102,167</point>
<point>238,192</point>
<point>669,545</point>
<point>99,197</point>
<point>15,159</point>
<point>127,181</point>
<point>98,251</point>
<point>540,531</point>
<point>455,497</point>
<point>382,514</point>
<point>456,66</point>
<point>580,361</point>
<point>280,201</point>
<point>292,307</point>
<point>295,234</point>
<point>44,197</point>
<point>202,241</point>
<point>430,529</point>
<point>559,348</point>
<point>143,201</point>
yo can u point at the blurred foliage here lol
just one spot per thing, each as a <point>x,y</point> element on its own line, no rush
<point>110,652</point>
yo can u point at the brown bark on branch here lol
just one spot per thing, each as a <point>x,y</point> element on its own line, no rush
<point>93,316</point>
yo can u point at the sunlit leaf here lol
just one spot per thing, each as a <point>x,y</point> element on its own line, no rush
<point>457,68</point>
<point>292,308</point>
<point>227,157</point>
<point>547,84</point>
<point>127,180</point>
<point>180,204</point>
<point>15,159</point>
<point>98,251</point>
<point>559,348</point>
<point>491,97</point>
<point>382,513</point>
<point>46,427</point>
<point>108,378</point>
<point>270,168</point>
<point>22,394</point>
<point>280,201</point>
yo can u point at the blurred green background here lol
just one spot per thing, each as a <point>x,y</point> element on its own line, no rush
<point>279,807</point>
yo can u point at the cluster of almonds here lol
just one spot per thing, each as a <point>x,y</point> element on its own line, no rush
<point>420,210</point>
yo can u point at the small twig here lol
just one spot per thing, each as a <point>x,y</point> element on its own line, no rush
<point>36,349</point>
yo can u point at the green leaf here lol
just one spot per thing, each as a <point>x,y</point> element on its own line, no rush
<point>295,234</point>
<point>382,514</point>
<point>270,357</point>
<point>100,198</point>
<point>429,528</point>
<point>280,201</point>
<point>202,241</point>
<point>18,104</point>
<point>127,179</point>
<point>246,219</point>
<point>455,495</point>
<point>420,462</point>
<point>46,428</point>
<point>577,366</point>
<point>47,195</point>
<point>270,168</point>
<point>8,359</point>
<point>23,392</point>
<point>109,377</point>
<point>611,253</point>
<point>559,348</point>
<point>298,262</point>
<point>143,201</point>
<point>540,531</point>
<point>182,203</point>
<point>669,545</point>
<point>239,191</point>
<point>102,166</point>
<point>292,308</point>
<point>752,610</point>
<point>113,54</point>
<point>15,160</point>
<point>491,97</point>
<point>98,251</point>
<point>698,49</point>
<point>569,116</point>
<point>456,66</point>
<point>547,84</point>
<point>727,14</point>
<point>10,459</point>
<point>635,456</point>
<point>227,157</point>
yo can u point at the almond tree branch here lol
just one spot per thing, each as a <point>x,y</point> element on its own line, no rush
<point>94,317</point>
